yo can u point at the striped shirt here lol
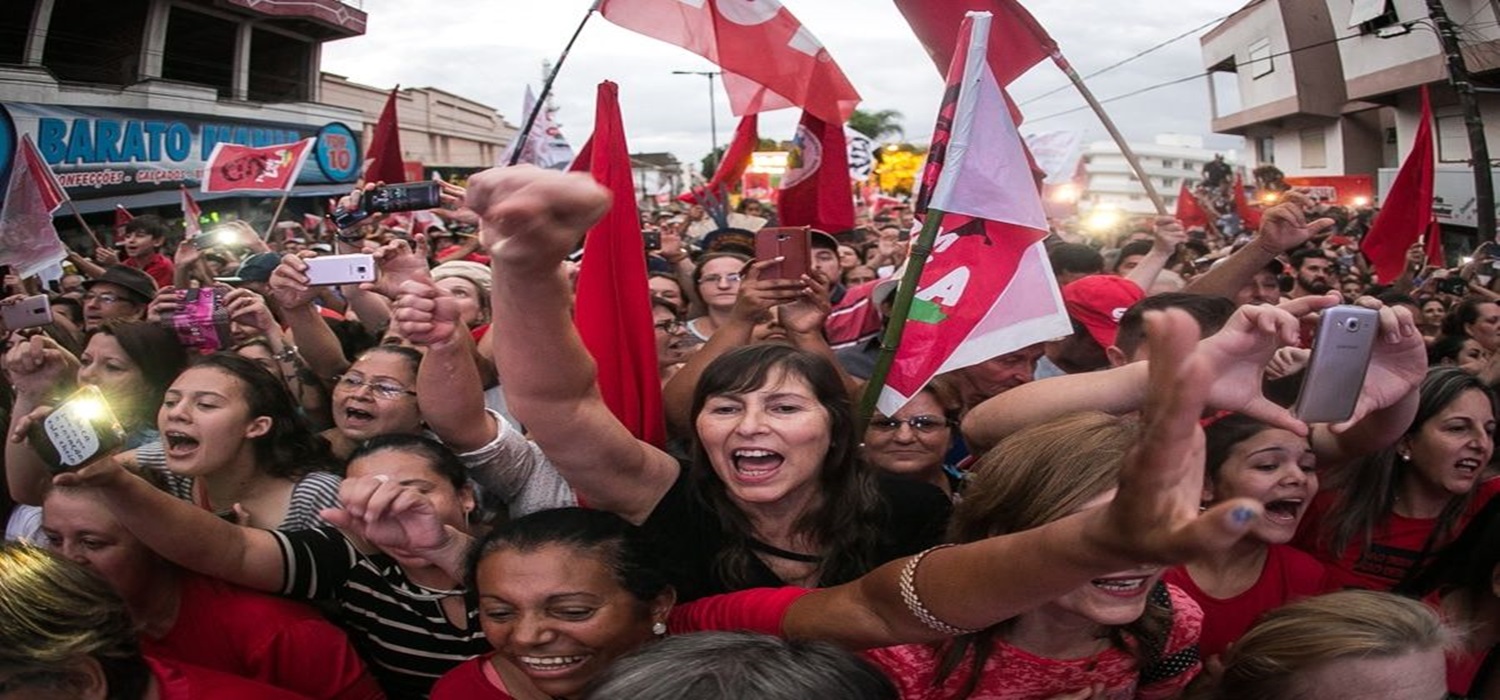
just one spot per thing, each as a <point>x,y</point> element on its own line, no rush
<point>398,628</point>
<point>312,493</point>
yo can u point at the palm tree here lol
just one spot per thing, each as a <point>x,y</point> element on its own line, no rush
<point>885,122</point>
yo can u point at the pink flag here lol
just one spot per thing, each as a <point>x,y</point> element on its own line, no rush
<point>770,60</point>
<point>28,241</point>
<point>232,167</point>
<point>987,289</point>
<point>191,215</point>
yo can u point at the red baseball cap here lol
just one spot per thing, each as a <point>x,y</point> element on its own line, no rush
<point>1098,302</point>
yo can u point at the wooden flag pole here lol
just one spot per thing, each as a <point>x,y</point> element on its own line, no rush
<point>1114,133</point>
<point>79,218</point>
<point>896,325</point>
<point>277,214</point>
<point>541,100</point>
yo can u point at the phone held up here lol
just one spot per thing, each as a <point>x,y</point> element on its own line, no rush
<point>78,432</point>
<point>406,196</point>
<point>328,270</point>
<point>26,312</point>
<point>791,243</point>
<point>1336,372</point>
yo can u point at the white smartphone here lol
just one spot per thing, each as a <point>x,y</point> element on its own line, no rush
<point>340,269</point>
<point>1336,372</point>
<point>26,312</point>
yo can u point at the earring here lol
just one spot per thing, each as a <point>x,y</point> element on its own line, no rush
<point>1405,457</point>
<point>659,628</point>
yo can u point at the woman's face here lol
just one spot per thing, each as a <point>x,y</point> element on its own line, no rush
<point>848,258</point>
<point>559,615</point>
<point>1486,328</point>
<point>1433,312</point>
<point>1108,601</point>
<point>715,284</point>
<point>206,423</point>
<point>666,289</point>
<point>415,472</point>
<point>1277,468</point>
<point>470,308</point>
<point>767,445</point>
<point>671,337</point>
<point>82,529</point>
<point>907,451</point>
<point>105,365</point>
<point>362,412</point>
<point>1471,356</point>
<point>1453,447</point>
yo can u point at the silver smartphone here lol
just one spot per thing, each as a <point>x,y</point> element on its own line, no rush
<point>26,312</point>
<point>340,269</point>
<point>1336,372</point>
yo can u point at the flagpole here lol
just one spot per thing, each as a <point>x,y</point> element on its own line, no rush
<point>79,218</point>
<point>896,325</point>
<point>1114,133</point>
<point>277,214</point>
<point>541,100</point>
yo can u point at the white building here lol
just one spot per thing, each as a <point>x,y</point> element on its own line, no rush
<point>1171,159</point>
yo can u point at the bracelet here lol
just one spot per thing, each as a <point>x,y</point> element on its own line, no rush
<point>287,354</point>
<point>908,585</point>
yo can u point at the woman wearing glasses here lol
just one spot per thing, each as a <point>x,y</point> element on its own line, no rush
<point>717,284</point>
<point>912,443</point>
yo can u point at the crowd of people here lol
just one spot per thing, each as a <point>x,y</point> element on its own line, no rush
<point>413,486</point>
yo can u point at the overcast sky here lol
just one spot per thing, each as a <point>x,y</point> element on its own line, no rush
<point>488,51</point>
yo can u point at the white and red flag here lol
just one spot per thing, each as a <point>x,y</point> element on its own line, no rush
<point>1017,40</point>
<point>122,217</point>
<point>545,146</point>
<point>191,216</point>
<point>770,60</point>
<point>28,241</point>
<point>987,288</point>
<point>233,167</point>
<point>816,190</point>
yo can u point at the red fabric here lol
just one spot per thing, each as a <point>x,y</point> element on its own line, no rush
<point>1406,212</point>
<point>272,640</point>
<point>469,681</point>
<point>854,319</point>
<point>122,216</point>
<point>1017,40</point>
<point>48,186</point>
<point>759,610</point>
<point>1393,549</point>
<point>191,215</point>
<point>159,266</point>
<point>1188,210</point>
<point>1434,244</point>
<point>613,301</point>
<point>736,159</point>
<point>770,60</point>
<point>1249,216</point>
<point>312,224</point>
<point>180,681</point>
<point>817,192</point>
<point>1289,574</point>
<point>1011,673</point>
<point>233,167</point>
<point>383,163</point>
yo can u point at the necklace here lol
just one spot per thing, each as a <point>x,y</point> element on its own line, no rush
<point>779,553</point>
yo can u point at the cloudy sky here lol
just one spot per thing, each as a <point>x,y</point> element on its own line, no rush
<point>489,51</point>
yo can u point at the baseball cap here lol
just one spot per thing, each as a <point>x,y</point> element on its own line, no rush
<point>822,239</point>
<point>138,283</point>
<point>258,267</point>
<point>1098,301</point>
<point>729,240</point>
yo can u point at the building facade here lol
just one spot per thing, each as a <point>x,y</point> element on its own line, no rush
<point>1169,160</point>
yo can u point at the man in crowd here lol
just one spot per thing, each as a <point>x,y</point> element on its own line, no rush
<point>118,292</point>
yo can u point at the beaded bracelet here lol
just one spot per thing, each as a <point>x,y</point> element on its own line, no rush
<point>908,585</point>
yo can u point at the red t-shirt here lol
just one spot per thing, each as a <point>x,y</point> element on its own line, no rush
<point>272,640</point>
<point>1014,674</point>
<point>474,679</point>
<point>181,681</point>
<point>1392,551</point>
<point>159,266</point>
<point>1288,574</point>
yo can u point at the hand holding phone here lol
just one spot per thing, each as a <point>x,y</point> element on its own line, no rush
<point>25,312</point>
<point>792,244</point>
<point>1335,374</point>
<point>329,270</point>
<point>82,429</point>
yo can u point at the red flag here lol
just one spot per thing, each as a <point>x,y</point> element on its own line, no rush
<point>191,215</point>
<point>122,216</point>
<point>28,241</point>
<point>312,224</point>
<point>817,191</point>
<point>385,164</point>
<point>770,60</point>
<point>1406,210</point>
<point>232,167</point>
<point>987,288</point>
<point>1017,41</point>
<point>1189,212</point>
<point>736,159</point>
<point>1249,216</point>
<point>613,306</point>
<point>1434,244</point>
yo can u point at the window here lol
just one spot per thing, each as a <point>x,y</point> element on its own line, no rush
<point>1314,148</point>
<point>1265,150</point>
<point>1452,139</point>
<point>1260,58</point>
<point>1168,163</point>
<point>1169,182</point>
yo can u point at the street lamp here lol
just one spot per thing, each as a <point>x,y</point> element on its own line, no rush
<point>713,121</point>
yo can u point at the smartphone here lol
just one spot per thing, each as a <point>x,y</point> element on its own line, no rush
<point>1336,371</point>
<point>79,431</point>
<point>209,239</point>
<point>653,240</point>
<point>340,269</point>
<point>201,321</point>
<point>26,312</point>
<point>406,196</point>
<point>794,244</point>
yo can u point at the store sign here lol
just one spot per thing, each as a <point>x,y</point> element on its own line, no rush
<point>100,153</point>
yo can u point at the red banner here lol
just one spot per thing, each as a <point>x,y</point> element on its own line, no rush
<point>234,168</point>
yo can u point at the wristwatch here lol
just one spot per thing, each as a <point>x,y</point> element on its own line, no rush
<point>287,354</point>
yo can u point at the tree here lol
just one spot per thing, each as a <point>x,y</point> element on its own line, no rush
<point>886,122</point>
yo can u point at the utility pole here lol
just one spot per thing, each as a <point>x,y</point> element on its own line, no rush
<point>1479,151</point>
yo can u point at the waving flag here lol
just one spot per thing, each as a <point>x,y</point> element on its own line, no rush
<point>613,302</point>
<point>1016,42</point>
<point>770,60</point>
<point>545,147</point>
<point>192,216</point>
<point>987,289</point>
<point>1406,210</point>
<point>816,191</point>
<point>1249,216</point>
<point>1189,211</point>
<point>122,217</point>
<point>736,160</point>
<point>385,163</point>
<point>233,167</point>
<point>28,241</point>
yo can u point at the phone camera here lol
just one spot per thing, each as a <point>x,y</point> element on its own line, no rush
<point>361,269</point>
<point>1351,325</point>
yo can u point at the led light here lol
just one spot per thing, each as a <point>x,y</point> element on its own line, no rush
<point>1361,201</point>
<point>1102,220</point>
<point>87,409</point>
<point>1065,194</point>
<point>1269,198</point>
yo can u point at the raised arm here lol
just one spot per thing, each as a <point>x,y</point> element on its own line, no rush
<point>1153,518</point>
<point>1166,237</point>
<point>1284,227</point>
<point>315,340</point>
<point>531,219</point>
<point>449,390</point>
<point>38,368</point>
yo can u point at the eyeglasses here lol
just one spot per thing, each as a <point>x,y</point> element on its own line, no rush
<point>670,327</point>
<point>105,298</point>
<point>351,382</point>
<point>921,424</point>
<point>714,279</point>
